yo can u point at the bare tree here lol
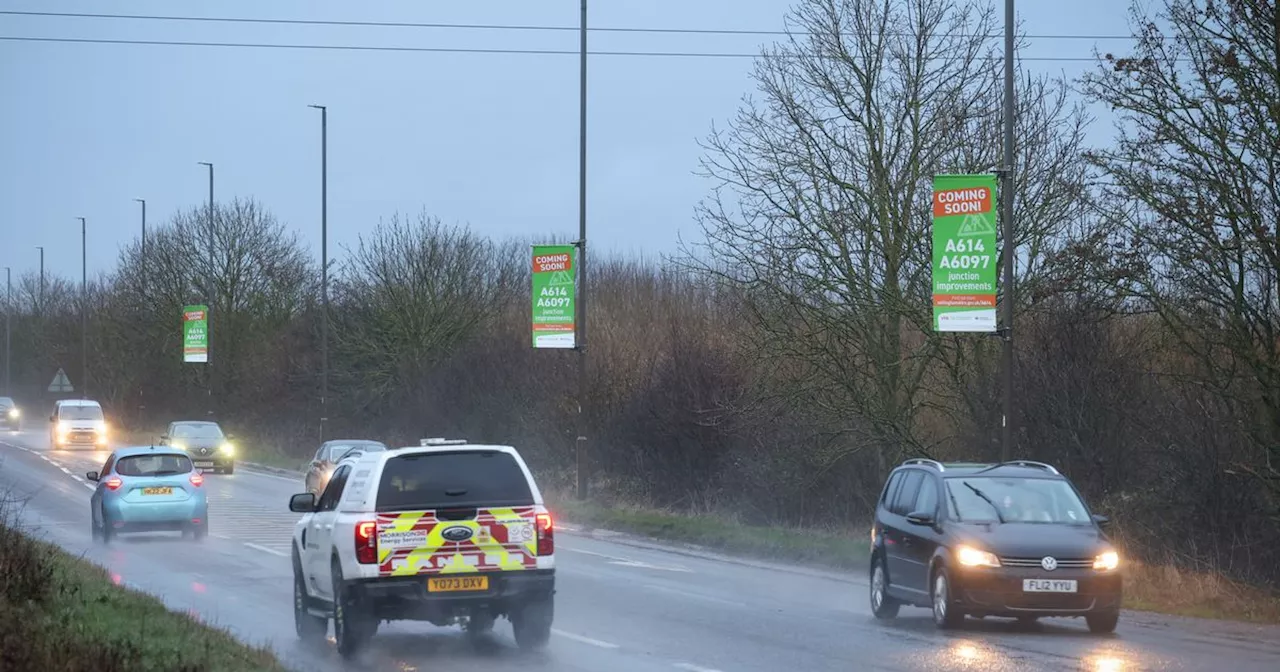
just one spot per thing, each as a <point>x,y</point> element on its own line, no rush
<point>413,292</point>
<point>820,216</point>
<point>1195,187</point>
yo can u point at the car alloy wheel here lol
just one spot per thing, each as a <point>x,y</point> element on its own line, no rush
<point>882,606</point>
<point>940,598</point>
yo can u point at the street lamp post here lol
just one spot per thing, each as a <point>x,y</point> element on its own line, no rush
<point>84,307</point>
<point>8,317</point>
<point>580,320</point>
<point>324,266</point>
<point>1006,202</point>
<point>209,299</point>
<point>143,201</point>
<point>40,295</point>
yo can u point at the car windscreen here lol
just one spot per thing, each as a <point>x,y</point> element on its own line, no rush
<point>6,403</point>
<point>459,479</point>
<point>1022,500</point>
<point>197,432</point>
<point>80,413</point>
<point>339,450</point>
<point>165,464</point>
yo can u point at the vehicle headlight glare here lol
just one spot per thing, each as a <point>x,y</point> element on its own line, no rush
<point>14,413</point>
<point>972,557</point>
<point>1107,561</point>
<point>179,446</point>
<point>228,449</point>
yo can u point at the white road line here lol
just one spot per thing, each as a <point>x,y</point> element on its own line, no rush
<point>65,470</point>
<point>626,562</point>
<point>264,549</point>
<point>690,667</point>
<point>584,640</point>
<point>90,486</point>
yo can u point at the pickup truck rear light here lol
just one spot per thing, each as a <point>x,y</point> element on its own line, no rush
<point>367,542</point>
<point>546,535</point>
<point>113,483</point>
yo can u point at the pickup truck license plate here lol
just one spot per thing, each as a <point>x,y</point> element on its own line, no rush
<point>456,584</point>
<point>1048,586</point>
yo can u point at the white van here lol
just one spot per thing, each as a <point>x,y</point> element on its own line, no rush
<point>77,422</point>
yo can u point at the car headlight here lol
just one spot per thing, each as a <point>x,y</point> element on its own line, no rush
<point>62,427</point>
<point>14,413</point>
<point>1107,561</point>
<point>972,557</point>
<point>227,448</point>
<point>178,445</point>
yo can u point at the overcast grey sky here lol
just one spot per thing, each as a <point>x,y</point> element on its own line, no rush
<point>490,140</point>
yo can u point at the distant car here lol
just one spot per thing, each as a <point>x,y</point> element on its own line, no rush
<point>1013,539</point>
<point>148,489</point>
<point>10,414</point>
<point>328,456</point>
<point>204,441</point>
<point>77,422</point>
<point>447,532</point>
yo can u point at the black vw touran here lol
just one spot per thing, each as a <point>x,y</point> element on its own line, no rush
<point>1012,539</point>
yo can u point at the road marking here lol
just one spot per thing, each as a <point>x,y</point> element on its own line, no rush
<point>65,470</point>
<point>690,667</point>
<point>696,596</point>
<point>264,549</point>
<point>584,640</point>
<point>625,562</point>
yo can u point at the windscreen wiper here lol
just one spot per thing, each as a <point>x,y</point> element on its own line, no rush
<point>986,499</point>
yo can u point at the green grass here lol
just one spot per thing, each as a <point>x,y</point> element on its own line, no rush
<point>835,548</point>
<point>61,612</point>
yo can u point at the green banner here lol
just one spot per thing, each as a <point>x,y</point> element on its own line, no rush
<point>553,296</point>
<point>195,334</point>
<point>964,253</point>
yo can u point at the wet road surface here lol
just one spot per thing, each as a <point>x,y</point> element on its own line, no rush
<point>621,605</point>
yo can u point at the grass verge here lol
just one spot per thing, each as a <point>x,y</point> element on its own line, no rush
<point>58,612</point>
<point>834,548</point>
<point>1159,589</point>
<point>1170,590</point>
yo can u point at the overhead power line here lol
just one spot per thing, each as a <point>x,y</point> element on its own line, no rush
<point>450,50</point>
<point>490,26</point>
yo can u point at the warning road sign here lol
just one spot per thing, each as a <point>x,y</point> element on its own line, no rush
<point>61,383</point>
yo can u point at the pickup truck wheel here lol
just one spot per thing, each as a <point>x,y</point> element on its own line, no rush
<point>352,626</point>
<point>310,628</point>
<point>532,624</point>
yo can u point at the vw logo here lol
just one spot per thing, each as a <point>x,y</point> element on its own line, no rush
<point>456,533</point>
<point>1049,563</point>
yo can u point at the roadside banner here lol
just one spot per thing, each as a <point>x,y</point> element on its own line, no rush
<point>195,334</point>
<point>554,295</point>
<point>964,253</point>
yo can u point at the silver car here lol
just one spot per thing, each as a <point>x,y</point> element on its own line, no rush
<point>210,449</point>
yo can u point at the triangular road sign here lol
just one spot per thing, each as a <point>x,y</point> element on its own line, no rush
<point>976,226</point>
<point>61,383</point>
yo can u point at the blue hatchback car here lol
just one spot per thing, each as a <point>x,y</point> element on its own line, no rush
<point>148,489</point>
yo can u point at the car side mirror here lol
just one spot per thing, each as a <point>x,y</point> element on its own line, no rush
<point>303,503</point>
<point>53,418</point>
<point>1101,520</point>
<point>92,476</point>
<point>920,518</point>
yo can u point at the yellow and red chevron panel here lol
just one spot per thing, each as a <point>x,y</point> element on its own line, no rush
<point>496,540</point>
